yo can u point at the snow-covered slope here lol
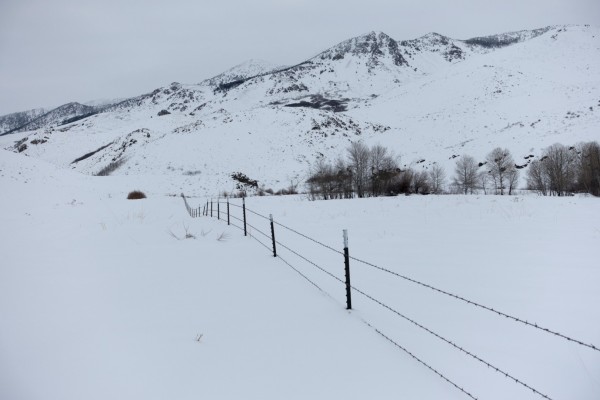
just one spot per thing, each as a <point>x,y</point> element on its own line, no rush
<point>100,300</point>
<point>58,116</point>
<point>430,98</point>
<point>242,71</point>
<point>16,120</point>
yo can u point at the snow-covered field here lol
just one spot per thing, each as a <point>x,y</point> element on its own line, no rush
<point>98,299</point>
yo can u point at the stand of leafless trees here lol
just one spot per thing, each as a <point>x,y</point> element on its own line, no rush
<point>370,171</point>
<point>375,171</point>
<point>564,170</point>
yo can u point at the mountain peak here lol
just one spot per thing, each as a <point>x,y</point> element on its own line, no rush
<point>375,46</point>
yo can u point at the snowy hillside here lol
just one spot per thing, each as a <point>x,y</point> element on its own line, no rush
<point>16,120</point>
<point>431,98</point>
<point>38,119</point>
<point>103,298</point>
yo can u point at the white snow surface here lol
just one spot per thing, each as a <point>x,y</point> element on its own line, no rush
<point>98,299</point>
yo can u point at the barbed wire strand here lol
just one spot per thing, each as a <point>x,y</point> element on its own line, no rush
<point>308,237</point>
<point>302,275</point>
<point>418,359</point>
<point>262,244</point>
<point>257,214</point>
<point>310,262</point>
<point>294,231</point>
<point>259,231</point>
<point>463,350</point>
<point>278,256</point>
<point>500,313</point>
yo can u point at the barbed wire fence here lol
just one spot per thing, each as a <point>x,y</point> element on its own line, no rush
<point>213,209</point>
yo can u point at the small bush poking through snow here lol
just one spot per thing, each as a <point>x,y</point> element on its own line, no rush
<point>223,237</point>
<point>187,233</point>
<point>136,195</point>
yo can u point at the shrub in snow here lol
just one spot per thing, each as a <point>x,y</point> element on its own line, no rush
<point>110,168</point>
<point>163,112</point>
<point>136,195</point>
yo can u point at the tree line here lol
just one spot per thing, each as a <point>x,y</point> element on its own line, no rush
<point>375,171</point>
<point>564,170</point>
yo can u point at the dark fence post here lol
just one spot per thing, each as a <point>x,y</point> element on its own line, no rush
<point>207,208</point>
<point>218,209</point>
<point>273,235</point>
<point>211,207</point>
<point>244,209</point>
<point>347,268</point>
<point>228,223</point>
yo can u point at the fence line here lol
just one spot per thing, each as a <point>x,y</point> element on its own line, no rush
<point>461,349</point>
<point>500,313</point>
<point>457,297</point>
<point>195,213</point>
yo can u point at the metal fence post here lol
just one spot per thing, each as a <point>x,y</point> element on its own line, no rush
<point>211,207</point>
<point>273,235</point>
<point>218,209</point>
<point>244,209</point>
<point>347,268</point>
<point>228,223</point>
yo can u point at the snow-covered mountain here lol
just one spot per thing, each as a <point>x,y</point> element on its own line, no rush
<point>40,118</point>
<point>429,99</point>
<point>10,122</point>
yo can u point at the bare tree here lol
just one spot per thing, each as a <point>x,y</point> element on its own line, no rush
<point>343,178</point>
<point>437,178</point>
<point>559,166</point>
<point>589,168</point>
<point>384,170</point>
<point>536,179</point>
<point>358,157</point>
<point>420,182</point>
<point>483,180</point>
<point>465,174</point>
<point>378,156</point>
<point>502,170</point>
<point>555,172</point>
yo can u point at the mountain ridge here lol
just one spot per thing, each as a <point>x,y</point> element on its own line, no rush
<point>277,124</point>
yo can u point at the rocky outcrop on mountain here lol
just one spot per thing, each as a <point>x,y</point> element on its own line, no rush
<point>374,47</point>
<point>450,49</point>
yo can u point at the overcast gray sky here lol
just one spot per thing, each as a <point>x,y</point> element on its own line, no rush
<point>56,51</point>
